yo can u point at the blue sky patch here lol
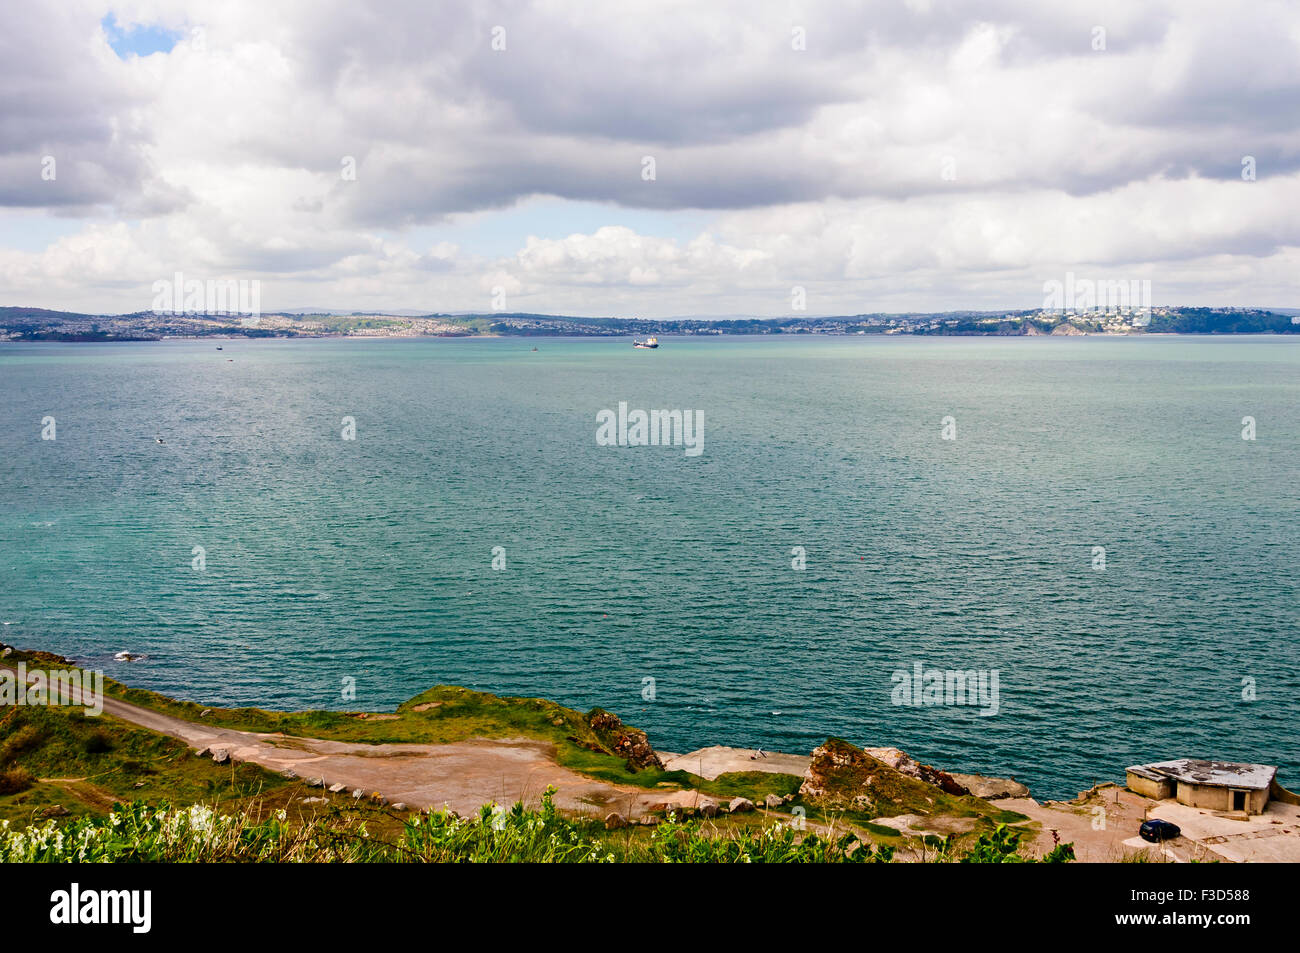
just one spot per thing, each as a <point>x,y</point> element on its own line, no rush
<point>137,39</point>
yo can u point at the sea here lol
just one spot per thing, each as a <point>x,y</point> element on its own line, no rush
<point>1099,532</point>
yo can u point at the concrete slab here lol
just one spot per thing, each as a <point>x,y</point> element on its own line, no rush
<point>1271,837</point>
<point>710,762</point>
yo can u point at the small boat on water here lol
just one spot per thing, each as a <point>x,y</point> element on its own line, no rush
<point>647,343</point>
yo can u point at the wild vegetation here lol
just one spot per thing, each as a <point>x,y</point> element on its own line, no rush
<point>76,787</point>
<point>197,833</point>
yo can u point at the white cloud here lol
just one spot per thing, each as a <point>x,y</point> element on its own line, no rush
<point>915,155</point>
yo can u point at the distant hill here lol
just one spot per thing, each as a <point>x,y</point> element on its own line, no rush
<point>42,324</point>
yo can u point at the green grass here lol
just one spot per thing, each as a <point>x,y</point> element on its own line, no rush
<point>93,762</point>
<point>120,762</point>
<point>162,834</point>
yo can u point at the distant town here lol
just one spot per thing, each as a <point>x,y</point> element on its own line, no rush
<point>38,324</point>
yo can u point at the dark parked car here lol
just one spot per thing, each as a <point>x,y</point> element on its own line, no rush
<point>1158,830</point>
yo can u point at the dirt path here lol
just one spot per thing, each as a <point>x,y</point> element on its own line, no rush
<point>462,776</point>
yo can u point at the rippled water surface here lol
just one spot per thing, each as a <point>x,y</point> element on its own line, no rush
<point>371,558</point>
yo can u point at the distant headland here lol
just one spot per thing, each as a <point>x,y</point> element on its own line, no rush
<point>39,324</point>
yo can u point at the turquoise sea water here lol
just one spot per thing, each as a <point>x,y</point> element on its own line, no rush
<point>372,558</point>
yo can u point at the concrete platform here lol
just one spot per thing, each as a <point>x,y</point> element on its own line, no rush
<point>1271,837</point>
<point>710,762</point>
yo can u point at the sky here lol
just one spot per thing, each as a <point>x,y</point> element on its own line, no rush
<point>649,159</point>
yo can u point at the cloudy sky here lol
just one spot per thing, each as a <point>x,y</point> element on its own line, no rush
<point>649,158</point>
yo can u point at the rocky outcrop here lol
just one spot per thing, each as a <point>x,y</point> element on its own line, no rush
<point>991,789</point>
<point>900,761</point>
<point>842,775</point>
<point>622,740</point>
<point>740,805</point>
<point>615,821</point>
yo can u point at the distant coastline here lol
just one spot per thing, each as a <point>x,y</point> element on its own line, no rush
<point>38,324</point>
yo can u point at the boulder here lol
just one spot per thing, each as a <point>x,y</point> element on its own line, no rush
<point>338,788</point>
<point>739,805</point>
<point>314,782</point>
<point>991,789</point>
<point>773,801</point>
<point>845,776</point>
<point>399,806</point>
<point>708,808</point>
<point>650,820</point>
<point>901,762</point>
<point>55,810</point>
<point>622,740</point>
<point>289,774</point>
<point>220,755</point>
<point>615,821</point>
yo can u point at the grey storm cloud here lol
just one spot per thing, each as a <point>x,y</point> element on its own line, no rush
<point>59,102</point>
<point>866,145</point>
<point>444,123</point>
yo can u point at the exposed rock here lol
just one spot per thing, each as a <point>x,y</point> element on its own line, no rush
<point>338,788</point>
<point>740,805</point>
<point>289,773</point>
<point>55,810</point>
<point>399,806</point>
<point>846,776</point>
<point>202,752</point>
<point>708,808</point>
<point>629,743</point>
<point>615,821</point>
<point>358,794</point>
<point>315,800</point>
<point>220,755</point>
<point>649,820</point>
<point>991,789</point>
<point>773,801</point>
<point>314,782</point>
<point>205,713</point>
<point>902,762</point>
